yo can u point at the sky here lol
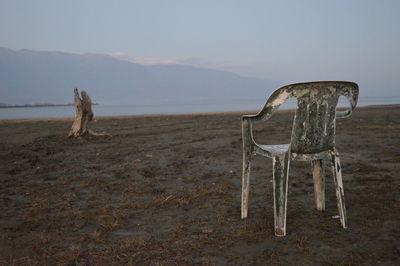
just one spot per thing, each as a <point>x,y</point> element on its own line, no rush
<point>289,41</point>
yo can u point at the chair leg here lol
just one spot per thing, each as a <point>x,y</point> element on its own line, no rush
<point>319,184</point>
<point>245,183</point>
<point>337,178</point>
<point>280,183</point>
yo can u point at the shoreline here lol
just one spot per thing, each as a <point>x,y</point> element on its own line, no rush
<point>240,112</point>
<point>39,105</point>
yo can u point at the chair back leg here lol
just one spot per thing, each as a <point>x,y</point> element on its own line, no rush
<point>246,183</point>
<point>280,184</point>
<point>337,178</point>
<point>319,184</point>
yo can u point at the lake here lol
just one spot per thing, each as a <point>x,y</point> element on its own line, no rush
<point>117,110</point>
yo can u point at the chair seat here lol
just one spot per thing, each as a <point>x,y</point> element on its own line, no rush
<point>275,150</point>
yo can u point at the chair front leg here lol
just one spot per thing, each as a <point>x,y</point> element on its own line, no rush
<point>280,183</point>
<point>246,182</point>
<point>247,153</point>
<point>337,178</point>
<point>319,184</point>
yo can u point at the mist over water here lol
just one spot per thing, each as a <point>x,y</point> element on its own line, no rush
<point>117,110</point>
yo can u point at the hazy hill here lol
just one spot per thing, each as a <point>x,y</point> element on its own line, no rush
<point>28,77</point>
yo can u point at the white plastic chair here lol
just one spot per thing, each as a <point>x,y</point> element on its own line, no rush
<point>313,139</point>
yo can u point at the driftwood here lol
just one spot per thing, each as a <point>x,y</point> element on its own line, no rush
<point>83,115</point>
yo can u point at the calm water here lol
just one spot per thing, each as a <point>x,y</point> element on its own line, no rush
<point>109,110</point>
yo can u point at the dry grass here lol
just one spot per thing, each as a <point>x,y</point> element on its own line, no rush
<point>99,201</point>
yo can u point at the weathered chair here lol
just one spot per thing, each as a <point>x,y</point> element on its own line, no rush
<point>313,139</point>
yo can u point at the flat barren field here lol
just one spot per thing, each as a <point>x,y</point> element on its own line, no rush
<point>165,190</point>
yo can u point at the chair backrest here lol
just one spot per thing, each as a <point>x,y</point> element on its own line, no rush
<point>314,123</point>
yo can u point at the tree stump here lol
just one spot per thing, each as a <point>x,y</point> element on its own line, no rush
<point>83,115</point>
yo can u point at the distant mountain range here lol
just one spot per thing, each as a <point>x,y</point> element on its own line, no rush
<point>35,77</point>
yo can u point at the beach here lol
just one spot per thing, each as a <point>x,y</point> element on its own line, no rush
<point>166,190</point>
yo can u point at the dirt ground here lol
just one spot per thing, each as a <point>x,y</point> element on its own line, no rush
<point>165,190</point>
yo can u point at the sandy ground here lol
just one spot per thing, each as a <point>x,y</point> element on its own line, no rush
<point>165,190</point>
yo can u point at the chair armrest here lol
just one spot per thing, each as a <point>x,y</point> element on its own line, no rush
<point>351,94</point>
<point>343,114</point>
<point>247,133</point>
<point>251,117</point>
<point>274,101</point>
